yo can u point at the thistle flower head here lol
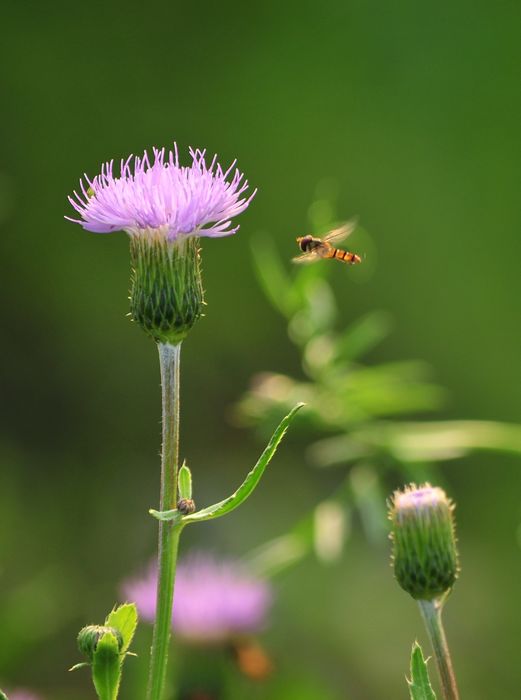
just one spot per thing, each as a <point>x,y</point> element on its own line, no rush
<point>214,600</point>
<point>425,559</point>
<point>162,196</point>
<point>164,207</point>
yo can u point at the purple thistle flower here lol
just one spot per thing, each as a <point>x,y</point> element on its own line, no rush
<point>214,600</point>
<point>22,694</point>
<point>197,200</point>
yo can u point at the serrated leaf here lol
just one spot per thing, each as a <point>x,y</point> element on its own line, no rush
<point>252,479</point>
<point>184,482</point>
<point>106,667</point>
<point>419,686</point>
<point>124,618</point>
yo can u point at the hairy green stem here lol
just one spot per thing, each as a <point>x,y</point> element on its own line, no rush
<point>431,613</point>
<point>169,360</point>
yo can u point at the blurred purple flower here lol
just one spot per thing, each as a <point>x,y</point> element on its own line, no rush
<point>162,196</point>
<point>22,694</point>
<point>214,600</point>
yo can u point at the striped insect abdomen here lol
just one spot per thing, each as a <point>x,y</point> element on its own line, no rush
<point>346,256</point>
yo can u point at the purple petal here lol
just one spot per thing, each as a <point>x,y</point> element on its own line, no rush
<point>198,199</point>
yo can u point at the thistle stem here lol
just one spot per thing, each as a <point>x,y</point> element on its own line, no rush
<point>169,360</point>
<point>431,613</point>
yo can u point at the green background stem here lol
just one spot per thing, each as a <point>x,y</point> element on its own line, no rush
<point>169,360</point>
<point>431,613</point>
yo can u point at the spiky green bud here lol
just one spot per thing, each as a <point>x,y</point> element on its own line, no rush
<point>166,297</point>
<point>89,637</point>
<point>425,558</point>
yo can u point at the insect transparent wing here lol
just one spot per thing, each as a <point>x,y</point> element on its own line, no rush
<point>339,234</point>
<point>306,258</point>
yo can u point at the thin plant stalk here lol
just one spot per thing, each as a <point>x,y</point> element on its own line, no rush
<point>169,360</point>
<point>431,613</point>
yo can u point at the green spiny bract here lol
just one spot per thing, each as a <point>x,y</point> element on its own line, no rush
<point>166,296</point>
<point>425,558</point>
<point>88,638</point>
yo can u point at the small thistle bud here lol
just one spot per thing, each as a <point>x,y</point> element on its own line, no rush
<point>424,557</point>
<point>166,297</point>
<point>89,637</point>
<point>186,506</point>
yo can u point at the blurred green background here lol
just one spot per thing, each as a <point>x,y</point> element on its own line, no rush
<point>413,110</point>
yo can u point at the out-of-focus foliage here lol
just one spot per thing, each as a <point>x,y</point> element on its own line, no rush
<point>361,409</point>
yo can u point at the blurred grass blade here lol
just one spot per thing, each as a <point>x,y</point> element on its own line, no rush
<point>330,527</point>
<point>452,439</point>
<point>251,481</point>
<point>443,440</point>
<point>321,309</point>
<point>3,696</point>
<point>273,278</point>
<point>421,442</point>
<point>363,335</point>
<point>369,499</point>
<point>419,686</point>
<point>302,539</point>
<point>276,555</point>
<point>124,619</point>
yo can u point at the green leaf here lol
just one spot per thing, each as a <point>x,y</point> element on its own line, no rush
<point>277,554</point>
<point>173,516</point>
<point>443,440</point>
<point>251,481</point>
<point>106,667</point>
<point>363,335</point>
<point>366,492</point>
<point>124,619</point>
<point>319,312</point>
<point>82,664</point>
<point>419,686</point>
<point>3,696</point>
<point>184,482</point>
<point>272,275</point>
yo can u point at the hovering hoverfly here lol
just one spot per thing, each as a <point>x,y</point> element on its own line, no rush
<point>314,248</point>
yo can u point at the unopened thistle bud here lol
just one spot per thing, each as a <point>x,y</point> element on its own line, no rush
<point>89,637</point>
<point>424,557</point>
